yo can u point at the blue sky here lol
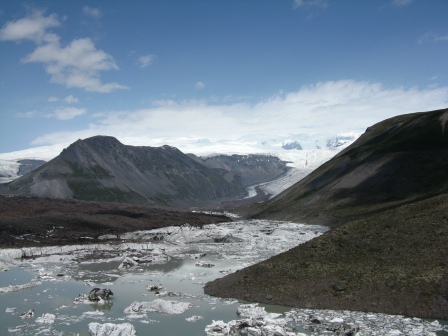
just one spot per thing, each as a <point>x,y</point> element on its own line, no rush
<point>141,70</point>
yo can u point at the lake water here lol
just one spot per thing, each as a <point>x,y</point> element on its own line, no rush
<point>53,282</point>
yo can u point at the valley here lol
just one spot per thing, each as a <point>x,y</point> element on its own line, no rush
<point>384,196</point>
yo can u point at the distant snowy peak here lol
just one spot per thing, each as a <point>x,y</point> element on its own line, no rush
<point>291,144</point>
<point>302,150</point>
<point>299,141</point>
<point>340,141</point>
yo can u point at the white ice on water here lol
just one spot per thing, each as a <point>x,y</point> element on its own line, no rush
<point>159,306</point>
<point>110,329</point>
<point>241,243</point>
<point>320,322</point>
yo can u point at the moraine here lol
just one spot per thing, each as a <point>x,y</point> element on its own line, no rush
<point>157,280</point>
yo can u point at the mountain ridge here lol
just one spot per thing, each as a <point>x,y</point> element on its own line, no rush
<point>101,168</point>
<point>386,199</point>
<point>370,172</point>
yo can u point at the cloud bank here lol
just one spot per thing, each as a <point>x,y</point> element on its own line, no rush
<point>333,107</point>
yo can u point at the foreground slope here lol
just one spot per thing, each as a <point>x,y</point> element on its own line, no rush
<point>103,169</point>
<point>386,197</point>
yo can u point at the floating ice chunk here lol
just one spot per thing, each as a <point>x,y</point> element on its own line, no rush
<point>16,288</point>
<point>252,310</point>
<point>204,264</point>
<point>158,305</point>
<point>46,319</point>
<point>136,316</point>
<point>169,294</point>
<point>155,287</point>
<point>27,314</point>
<point>110,329</point>
<point>251,326</point>
<point>217,328</point>
<point>259,322</point>
<point>127,262</point>
<point>194,318</point>
<point>95,313</point>
<point>98,294</point>
<point>10,310</point>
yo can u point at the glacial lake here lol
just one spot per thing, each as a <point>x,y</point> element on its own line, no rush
<point>179,259</point>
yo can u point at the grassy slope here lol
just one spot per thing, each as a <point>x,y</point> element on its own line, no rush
<point>386,197</point>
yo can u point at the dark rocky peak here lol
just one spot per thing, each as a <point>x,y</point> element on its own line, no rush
<point>90,147</point>
<point>98,142</point>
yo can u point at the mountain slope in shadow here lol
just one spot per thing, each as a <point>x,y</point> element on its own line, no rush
<point>386,198</point>
<point>103,169</point>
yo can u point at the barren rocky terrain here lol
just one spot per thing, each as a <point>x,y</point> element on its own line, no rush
<point>32,221</point>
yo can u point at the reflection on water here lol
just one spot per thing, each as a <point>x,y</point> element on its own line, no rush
<point>57,295</point>
<point>61,282</point>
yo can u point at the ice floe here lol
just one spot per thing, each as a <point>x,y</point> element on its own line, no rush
<point>321,322</point>
<point>28,314</point>
<point>15,288</point>
<point>361,323</point>
<point>257,322</point>
<point>172,256</point>
<point>159,306</point>
<point>110,329</point>
<point>194,318</point>
<point>46,319</point>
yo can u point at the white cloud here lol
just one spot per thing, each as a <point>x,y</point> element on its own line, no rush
<point>200,85</point>
<point>28,114</point>
<point>77,65</point>
<point>310,3</point>
<point>33,27</point>
<point>93,12</point>
<point>325,108</point>
<point>432,37</point>
<point>71,100</point>
<point>402,3</point>
<point>67,113</point>
<point>146,60</point>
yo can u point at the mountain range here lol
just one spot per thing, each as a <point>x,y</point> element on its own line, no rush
<point>103,169</point>
<point>386,199</point>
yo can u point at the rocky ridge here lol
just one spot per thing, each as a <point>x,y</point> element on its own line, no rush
<point>103,169</point>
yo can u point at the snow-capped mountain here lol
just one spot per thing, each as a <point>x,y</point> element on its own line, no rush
<point>304,152</point>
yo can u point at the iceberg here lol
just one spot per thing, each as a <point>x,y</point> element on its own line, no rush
<point>110,329</point>
<point>159,306</point>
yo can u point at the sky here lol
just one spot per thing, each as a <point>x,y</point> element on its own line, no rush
<point>164,69</point>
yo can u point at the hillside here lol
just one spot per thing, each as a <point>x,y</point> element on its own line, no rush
<point>252,168</point>
<point>386,197</point>
<point>103,169</point>
<point>395,162</point>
